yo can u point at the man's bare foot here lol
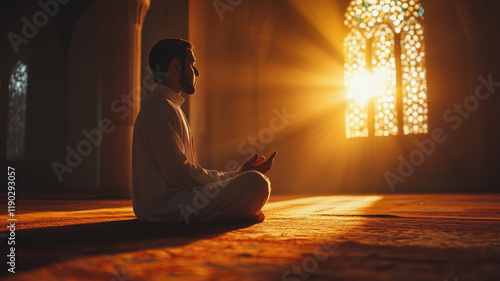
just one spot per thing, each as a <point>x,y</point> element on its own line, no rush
<point>257,218</point>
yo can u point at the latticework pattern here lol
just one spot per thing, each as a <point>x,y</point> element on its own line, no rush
<point>377,29</point>
<point>16,117</point>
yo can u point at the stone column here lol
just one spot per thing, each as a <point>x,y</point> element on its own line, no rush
<point>121,26</point>
<point>469,13</point>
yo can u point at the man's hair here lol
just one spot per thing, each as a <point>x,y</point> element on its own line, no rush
<point>162,54</point>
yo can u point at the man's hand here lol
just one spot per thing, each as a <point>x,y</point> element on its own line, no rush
<point>256,163</point>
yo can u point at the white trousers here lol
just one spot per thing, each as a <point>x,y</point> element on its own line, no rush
<point>231,200</point>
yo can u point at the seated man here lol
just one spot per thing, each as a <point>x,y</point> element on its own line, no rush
<point>168,183</point>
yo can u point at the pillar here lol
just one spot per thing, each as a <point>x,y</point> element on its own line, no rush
<point>471,24</point>
<point>121,26</point>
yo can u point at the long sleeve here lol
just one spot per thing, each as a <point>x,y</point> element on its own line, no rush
<point>166,136</point>
<point>164,166</point>
<point>214,173</point>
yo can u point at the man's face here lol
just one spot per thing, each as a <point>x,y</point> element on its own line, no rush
<point>189,74</point>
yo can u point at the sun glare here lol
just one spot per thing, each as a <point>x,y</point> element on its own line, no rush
<point>363,86</point>
<point>378,29</point>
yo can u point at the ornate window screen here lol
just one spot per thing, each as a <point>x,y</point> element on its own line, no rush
<point>16,115</point>
<point>385,68</point>
<point>356,112</point>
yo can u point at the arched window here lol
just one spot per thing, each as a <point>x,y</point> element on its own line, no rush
<point>385,72</point>
<point>16,117</point>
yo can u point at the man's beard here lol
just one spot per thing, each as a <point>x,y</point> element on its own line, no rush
<point>187,84</point>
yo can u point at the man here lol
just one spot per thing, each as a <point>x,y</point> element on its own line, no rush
<point>168,183</point>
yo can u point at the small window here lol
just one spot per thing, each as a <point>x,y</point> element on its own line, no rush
<point>16,116</point>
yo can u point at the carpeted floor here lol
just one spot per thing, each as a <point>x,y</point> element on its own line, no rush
<point>387,237</point>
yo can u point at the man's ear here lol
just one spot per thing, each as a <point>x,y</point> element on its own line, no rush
<point>175,65</point>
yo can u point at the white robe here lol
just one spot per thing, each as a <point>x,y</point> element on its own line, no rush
<point>164,165</point>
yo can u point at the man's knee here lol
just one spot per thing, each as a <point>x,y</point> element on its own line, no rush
<point>257,182</point>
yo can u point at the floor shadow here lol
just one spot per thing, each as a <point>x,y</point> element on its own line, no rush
<point>44,246</point>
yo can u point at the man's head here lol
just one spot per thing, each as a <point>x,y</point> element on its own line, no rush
<point>172,62</point>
